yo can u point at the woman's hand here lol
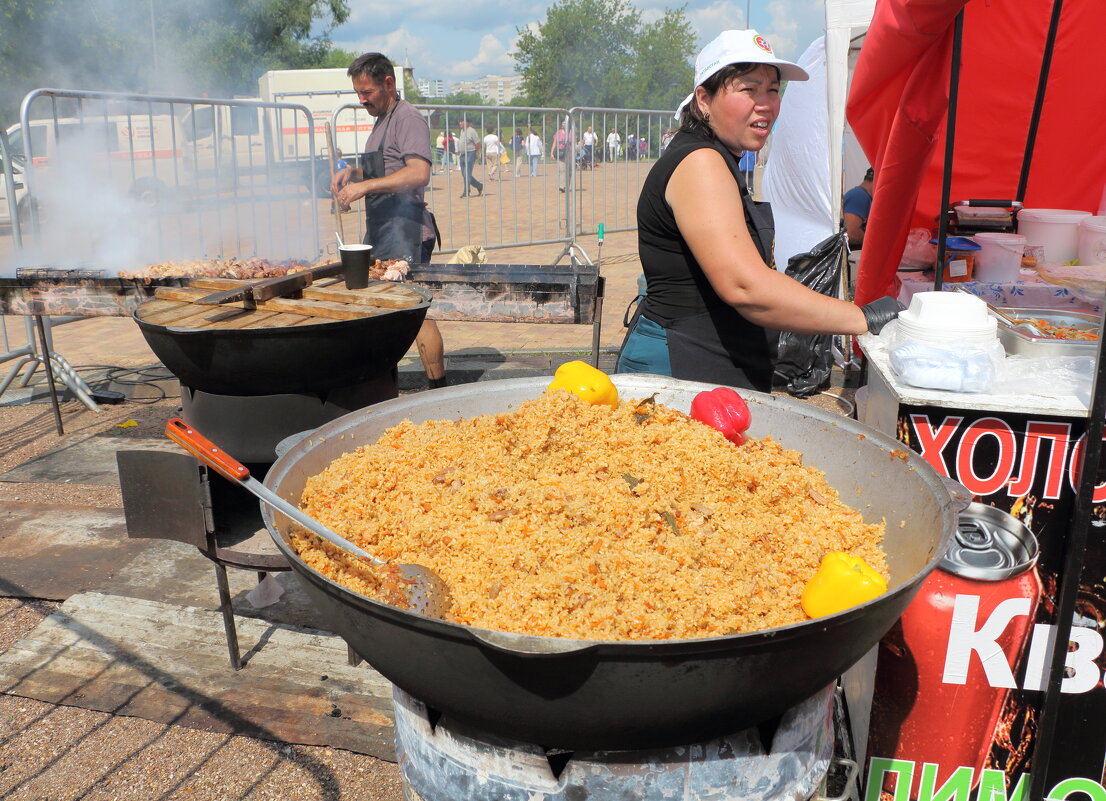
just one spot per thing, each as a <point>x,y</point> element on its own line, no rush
<point>880,312</point>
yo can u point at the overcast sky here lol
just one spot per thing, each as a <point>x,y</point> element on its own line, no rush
<point>458,40</point>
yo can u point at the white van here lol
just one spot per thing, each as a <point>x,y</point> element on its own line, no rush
<point>133,152</point>
<point>21,199</point>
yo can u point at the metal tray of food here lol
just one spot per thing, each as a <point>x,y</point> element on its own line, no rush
<point>1061,322</point>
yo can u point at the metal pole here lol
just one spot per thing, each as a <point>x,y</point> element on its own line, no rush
<point>153,37</point>
<point>9,190</point>
<point>950,137</point>
<point>1039,100</point>
<point>1081,521</point>
<point>49,374</point>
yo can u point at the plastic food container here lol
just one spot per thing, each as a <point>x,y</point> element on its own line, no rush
<point>1018,341</point>
<point>1056,230</point>
<point>948,318</point>
<point>1092,240</point>
<point>1000,256</point>
<point>960,253</point>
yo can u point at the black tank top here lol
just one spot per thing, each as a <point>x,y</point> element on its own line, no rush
<point>677,286</point>
<point>708,340</point>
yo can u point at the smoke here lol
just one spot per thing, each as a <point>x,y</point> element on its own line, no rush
<point>119,191</point>
<point>86,219</point>
<point>119,186</point>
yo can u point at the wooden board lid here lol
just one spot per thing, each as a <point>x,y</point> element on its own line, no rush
<point>322,302</point>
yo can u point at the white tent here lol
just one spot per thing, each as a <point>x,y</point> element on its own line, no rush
<point>796,176</point>
<point>846,23</point>
<point>806,174</point>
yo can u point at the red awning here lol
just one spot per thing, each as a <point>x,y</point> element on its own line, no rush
<point>899,100</point>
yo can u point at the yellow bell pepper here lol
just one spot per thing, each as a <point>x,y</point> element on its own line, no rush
<point>587,382</point>
<point>842,582</point>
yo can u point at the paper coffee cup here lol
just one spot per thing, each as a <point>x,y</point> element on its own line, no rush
<point>355,265</point>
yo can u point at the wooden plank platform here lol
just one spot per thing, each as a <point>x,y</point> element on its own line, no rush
<point>325,301</point>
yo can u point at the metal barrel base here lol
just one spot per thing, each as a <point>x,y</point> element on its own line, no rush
<point>251,426</point>
<point>444,761</point>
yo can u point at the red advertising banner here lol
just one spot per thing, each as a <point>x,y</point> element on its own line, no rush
<point>961,678</point>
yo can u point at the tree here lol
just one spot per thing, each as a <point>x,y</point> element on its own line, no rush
<point>578,54</point>
<point>599,53</point>
<point>411,90</point>
<point>217,47</point>
<point>457,99</point>
<point>336,58</point>
<point>660,73</point>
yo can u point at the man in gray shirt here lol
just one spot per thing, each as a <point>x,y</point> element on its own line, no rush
<point>392,181</point>
<point>468,151</point>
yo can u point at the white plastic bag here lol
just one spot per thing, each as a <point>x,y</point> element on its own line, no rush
<point>919,251</point>
<point>266,593</point>
<point>922,364</point>
<point>1067,375</point>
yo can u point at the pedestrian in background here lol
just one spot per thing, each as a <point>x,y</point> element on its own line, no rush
<point>614,142</point>
<point>856,207</point>
<point>560,154</point>
<point>468,150</point>
<point>518,151</point>
<point>534,149</point>
<point>493,149</point>
<point>667,138</point>
<point>440,151</point>
<point>590,139</point>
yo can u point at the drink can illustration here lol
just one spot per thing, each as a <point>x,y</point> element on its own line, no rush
<point>935,700</point>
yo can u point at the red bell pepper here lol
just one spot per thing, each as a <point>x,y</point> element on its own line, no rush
<point>723,409</point>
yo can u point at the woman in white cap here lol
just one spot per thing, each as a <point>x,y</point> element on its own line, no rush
<point>715,305</point>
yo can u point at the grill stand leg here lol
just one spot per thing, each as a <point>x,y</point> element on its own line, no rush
<point>228,616</point>
<point>49,375</point>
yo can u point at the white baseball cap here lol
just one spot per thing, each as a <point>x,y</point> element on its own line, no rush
<point>738,47</point>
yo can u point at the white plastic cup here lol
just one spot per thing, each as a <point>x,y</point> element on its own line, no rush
<point>1000,256</point>
<point>1092,240</point>
<point>1056,230</point>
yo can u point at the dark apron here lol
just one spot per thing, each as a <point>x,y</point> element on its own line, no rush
<point>719,346</point>
<point>393,221</point>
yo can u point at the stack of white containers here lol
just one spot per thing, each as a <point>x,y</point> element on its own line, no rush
<point>950,319</point>
<point>946,340</point>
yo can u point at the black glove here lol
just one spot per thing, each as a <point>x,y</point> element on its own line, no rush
<point>880,312</point>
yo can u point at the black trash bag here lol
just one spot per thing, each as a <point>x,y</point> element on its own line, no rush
<point>805,360</point>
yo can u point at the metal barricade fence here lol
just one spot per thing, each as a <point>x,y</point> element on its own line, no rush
<point>122,177</point>
<point>609,174</point>
<point>520,201</point>
<point>122,180</point>
<point>10,212</point>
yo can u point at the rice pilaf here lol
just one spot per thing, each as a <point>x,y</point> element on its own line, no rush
<point>566,519</point>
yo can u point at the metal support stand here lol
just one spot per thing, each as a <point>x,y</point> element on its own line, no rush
<point>227,610</point>
<point>578,254</point>
<point>50,376</point>
<point>597,320</point>
<point>228,616</point>
<point>34,355</point>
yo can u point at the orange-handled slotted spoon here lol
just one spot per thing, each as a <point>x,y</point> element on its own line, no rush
<point>411,587</point>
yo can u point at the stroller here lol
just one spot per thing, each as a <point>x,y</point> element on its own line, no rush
<point>583,160</point>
